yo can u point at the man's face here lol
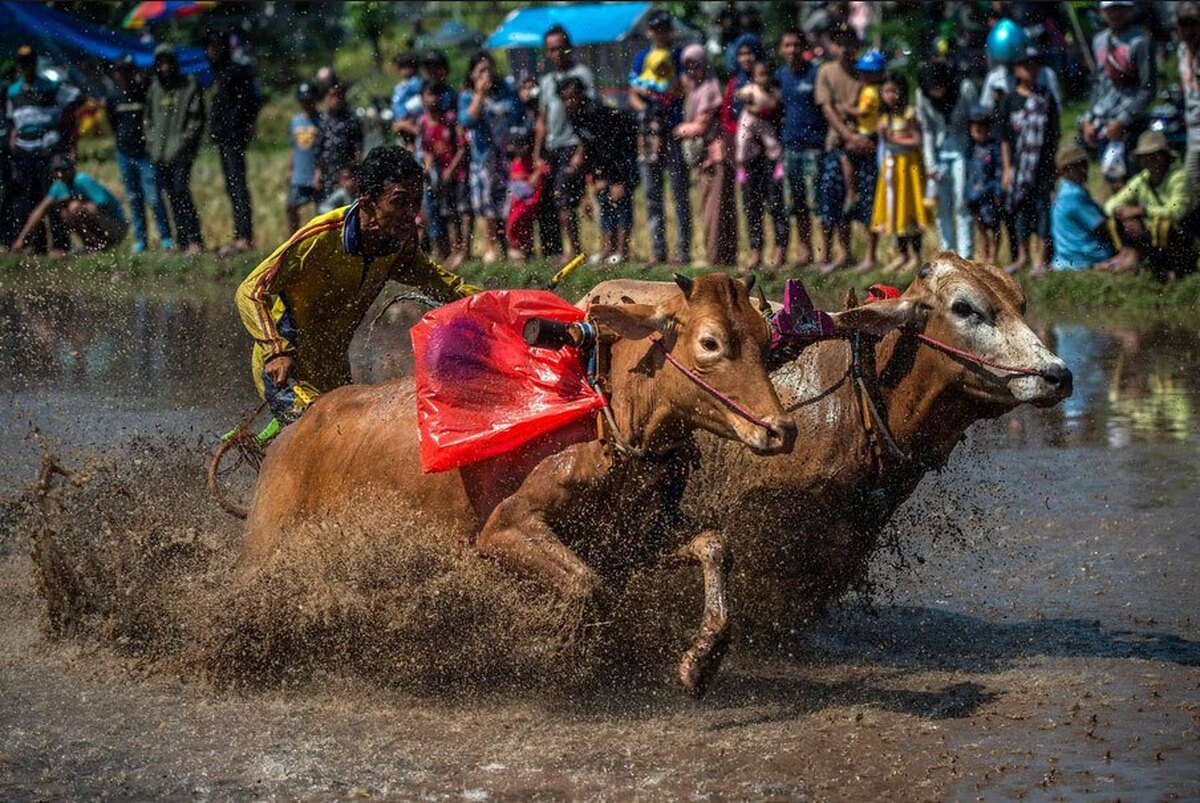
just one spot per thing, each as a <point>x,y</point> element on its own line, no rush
<point>745,59</point>
<point>789,47</point>
<point>1077,172</point>
<point>1116,17</point>
<point>120,77</point>
<point>335,100</point>
<point>557,52</point>
<point>661,35</point>
<point>394,211</point>
<point>165,67</point>
<point>1157,164</point>
<point>432,103</point>
<point>215,52</point>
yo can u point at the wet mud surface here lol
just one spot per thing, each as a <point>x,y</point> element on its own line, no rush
<point>1035,637</point>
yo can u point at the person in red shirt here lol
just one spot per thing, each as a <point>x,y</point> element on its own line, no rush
<point>524,195</point>
<point>442,147</point>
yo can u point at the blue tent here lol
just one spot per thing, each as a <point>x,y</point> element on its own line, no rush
<point>598,23</point>
<point>69,40</point>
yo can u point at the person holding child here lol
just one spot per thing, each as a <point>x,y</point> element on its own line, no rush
<point>759,158</point>
<point>899,208</point>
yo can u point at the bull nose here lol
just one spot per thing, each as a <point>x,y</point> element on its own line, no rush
<point>1059,377</point>
<point>781,435</point>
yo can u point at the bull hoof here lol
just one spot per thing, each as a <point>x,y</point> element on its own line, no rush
<point>699,664</point>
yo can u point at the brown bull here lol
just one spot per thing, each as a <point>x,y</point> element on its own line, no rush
<point>804,525</point>
<point>534,511</point>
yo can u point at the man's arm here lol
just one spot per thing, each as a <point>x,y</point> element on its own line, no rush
<point>539,135</point>
<point>423,273</point>
<point>35,217</point>
<point>1126,196</point>
<point>1174,203</point>
<point>257,294</point>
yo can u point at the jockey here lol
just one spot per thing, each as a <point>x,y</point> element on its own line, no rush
<point>303,303</point>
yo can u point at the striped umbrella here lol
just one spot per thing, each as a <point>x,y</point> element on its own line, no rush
<point>162,10</point>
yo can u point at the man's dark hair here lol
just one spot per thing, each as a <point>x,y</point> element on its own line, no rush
<point>434,58</point>
<point>571,82</point>
<point>387,164</point>
<point>558,30</point>
<point>435,87</point>
<point>217,38</point>
<point>792,31</point>
<point>478,56</point>
<point>405,61</point>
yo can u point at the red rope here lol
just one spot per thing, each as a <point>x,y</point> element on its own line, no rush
<point>975,358</point>
<point>710,390</point>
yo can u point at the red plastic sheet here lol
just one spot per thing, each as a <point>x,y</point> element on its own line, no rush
<point>481,391</point>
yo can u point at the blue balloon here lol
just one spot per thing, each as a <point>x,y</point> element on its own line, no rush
<point>872,61</point>
<point>1007,42</point>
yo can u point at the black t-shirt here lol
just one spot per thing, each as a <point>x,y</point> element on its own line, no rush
<point>1010,122</point>
<point>126,111</point>
<point>609,138</point>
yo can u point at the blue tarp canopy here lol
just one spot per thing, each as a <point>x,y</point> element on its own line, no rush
<point>598,23</point>
<point>68,39</point>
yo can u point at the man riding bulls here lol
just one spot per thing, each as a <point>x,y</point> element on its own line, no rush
<point>303,303</point>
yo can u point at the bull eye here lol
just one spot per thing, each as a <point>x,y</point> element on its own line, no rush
<point>710,344</point>
<point>963,309</point>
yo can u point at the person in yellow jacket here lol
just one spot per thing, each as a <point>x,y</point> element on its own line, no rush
<point>303,303</point>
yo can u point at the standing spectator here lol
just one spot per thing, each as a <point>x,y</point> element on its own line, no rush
<point>42,115</point>
<point>702,135</point>
<point>304,132</point>
<point>126,110</point>
<point>85,207</point>
<point>1006,43</point>
<point>1153,210</point>
<point>984,193</point>
<point>899,208</point>
<point>662,111</point>
<point>837,89</point>
<point>608,146</point>
<point>1122,89</point>
<point>340,138</point>
<point>237,100</point>
<point>759,164</point>
<point>175,117</point>
<point>442,150</point>
<point>1029,133</point>
<point>944,105</point>
<point>435,68</point>
<point>1187,16</point>
<point>802,134</point>
<point>487,110</point>
<point>555,141</point>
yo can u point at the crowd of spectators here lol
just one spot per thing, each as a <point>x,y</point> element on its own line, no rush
<point>819,126</point>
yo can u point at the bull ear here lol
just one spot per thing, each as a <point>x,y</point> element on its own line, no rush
<point>877,318</point>
<point>630,321</point>
<point>685,284</point>
<point>749,282</point>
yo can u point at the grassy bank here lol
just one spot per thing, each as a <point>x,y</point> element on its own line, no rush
<point>1082,295</point>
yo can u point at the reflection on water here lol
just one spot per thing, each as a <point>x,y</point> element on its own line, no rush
<point>1131,385</point>
<point>135,358</point>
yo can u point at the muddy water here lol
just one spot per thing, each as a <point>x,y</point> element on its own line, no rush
<point>1036,636</point>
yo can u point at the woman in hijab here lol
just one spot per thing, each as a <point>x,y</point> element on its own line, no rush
<point>708,147</point>
<point>944,111</point>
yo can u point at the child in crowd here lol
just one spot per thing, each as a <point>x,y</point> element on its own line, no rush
<point>441,146</point>
<point>756,134</point>
<point>653,86</point>
<point>1029,133</point>
<point>984,193</point>
<point>303,174</point>
<point>344,195</point>
<point>899,207</point>
<point>524,194</point>
<point>340,137</point>
<point>865,113</point>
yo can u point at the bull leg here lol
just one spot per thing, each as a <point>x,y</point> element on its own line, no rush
<point>517,536</point>
<point>702,659</point>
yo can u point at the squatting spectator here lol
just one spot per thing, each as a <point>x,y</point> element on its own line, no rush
<point>236,102</point>
<point>555,141</point>
<point>488,110</point>
<point>126,110</point>
<point>175,117</point>
<point>42,115</point>
<point>1082,238</point>
<point>1153,209</point>
<point>85,207</point>
<point>1122,89</point>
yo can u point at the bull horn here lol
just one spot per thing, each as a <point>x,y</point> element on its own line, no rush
<point>762,299</point>
<point>750,280</point>
<point>685,284</point>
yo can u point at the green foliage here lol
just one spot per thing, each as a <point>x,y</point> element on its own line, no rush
<point>371,20</point>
